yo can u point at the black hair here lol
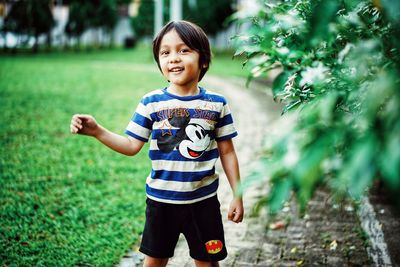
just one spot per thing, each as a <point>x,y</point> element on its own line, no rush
<point>193,36</point>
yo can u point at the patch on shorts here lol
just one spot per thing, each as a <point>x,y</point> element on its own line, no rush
<point>213,246</point>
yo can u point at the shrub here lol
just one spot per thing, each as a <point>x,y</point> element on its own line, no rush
<point>339,63</point>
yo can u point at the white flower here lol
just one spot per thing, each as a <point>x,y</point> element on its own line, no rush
<point>287,21</point>
<point>280,41</point>
<point>293,13</point>
<point>314,74</point>
<point>344,52</point>
<point>332,164</point>
<point>283,50</point>
<point>353,18</point>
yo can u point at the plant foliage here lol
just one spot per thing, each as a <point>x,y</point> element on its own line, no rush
<point>85,15</point>
<point>143,23</point>
<point>29,18</point>
<point>210,15</point>
<point>340,69</point>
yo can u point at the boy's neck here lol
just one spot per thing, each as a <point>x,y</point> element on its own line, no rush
<point>184,90</point>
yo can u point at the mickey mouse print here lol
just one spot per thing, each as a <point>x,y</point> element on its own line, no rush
<point>191,138</point>
<point>183,134</point>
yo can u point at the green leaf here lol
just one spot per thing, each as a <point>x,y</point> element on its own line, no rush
<point>390,161</point>
<point>290,106</point>
<point>360,168</point>
<point>279,83</point>
<point>260,204</point>
<point>280,192</point>
<point>323,13</point>
<point>308,173</point>
<point>392,9</point>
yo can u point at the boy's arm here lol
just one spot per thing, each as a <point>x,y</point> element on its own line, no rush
<point>87,125</point>
<point>231,167</point>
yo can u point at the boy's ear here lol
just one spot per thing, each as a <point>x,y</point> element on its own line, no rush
<point>205,66</point>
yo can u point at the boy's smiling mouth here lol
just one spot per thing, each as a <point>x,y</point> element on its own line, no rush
<point>176,69</point>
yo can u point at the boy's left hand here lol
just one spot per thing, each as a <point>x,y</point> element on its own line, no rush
<point>236,211</point>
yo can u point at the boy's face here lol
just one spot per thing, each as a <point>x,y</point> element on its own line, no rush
<point>179,63</point>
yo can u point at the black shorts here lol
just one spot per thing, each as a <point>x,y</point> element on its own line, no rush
<point>200,223</point>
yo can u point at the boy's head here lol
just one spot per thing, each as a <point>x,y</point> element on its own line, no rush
<point>193,36</point>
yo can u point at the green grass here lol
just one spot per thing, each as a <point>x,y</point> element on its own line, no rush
<point>224,64</point>
<point>66,200</point>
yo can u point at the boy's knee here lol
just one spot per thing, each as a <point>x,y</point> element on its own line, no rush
<point>154,262</point>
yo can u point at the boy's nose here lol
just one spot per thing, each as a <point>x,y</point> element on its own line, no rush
<point>174,57</point>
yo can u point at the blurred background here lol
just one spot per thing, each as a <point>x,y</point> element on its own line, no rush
<point>75,23</point>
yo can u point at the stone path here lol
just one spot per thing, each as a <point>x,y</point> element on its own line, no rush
<point>327,235</point>
<point>386,209</point>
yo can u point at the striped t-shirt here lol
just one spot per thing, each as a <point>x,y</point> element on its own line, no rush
<point>183,144</point>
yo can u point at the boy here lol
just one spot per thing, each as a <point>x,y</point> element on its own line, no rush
<point>190,128</point>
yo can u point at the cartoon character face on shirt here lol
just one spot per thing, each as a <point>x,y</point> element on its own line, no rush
<point>191,140</point>
<point>196,142</point>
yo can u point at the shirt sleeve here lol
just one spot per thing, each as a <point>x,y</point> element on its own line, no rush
<point>225,128</point>
<point>141,123</point>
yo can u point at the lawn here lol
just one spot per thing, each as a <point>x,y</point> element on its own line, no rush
<point>66,200</point>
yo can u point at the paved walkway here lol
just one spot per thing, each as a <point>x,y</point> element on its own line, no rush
<point>327,236</point>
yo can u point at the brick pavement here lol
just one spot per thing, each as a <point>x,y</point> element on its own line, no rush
<point>326,236</point>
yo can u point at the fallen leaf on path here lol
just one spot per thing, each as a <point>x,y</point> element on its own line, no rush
<point>276,226</point>
<point>333,245</point>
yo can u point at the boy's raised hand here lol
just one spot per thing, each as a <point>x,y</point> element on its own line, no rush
<point>84,124</point>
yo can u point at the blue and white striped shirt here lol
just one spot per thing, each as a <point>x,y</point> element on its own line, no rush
<point>183,146</point>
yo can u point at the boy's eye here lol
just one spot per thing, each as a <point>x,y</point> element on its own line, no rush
<point>185,50</point>
<point>163,53</point>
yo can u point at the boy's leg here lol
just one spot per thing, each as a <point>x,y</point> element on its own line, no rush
<point>205,264</point>
<point>204,232</point>
<point>160,234</point>
<point>154,262</point>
